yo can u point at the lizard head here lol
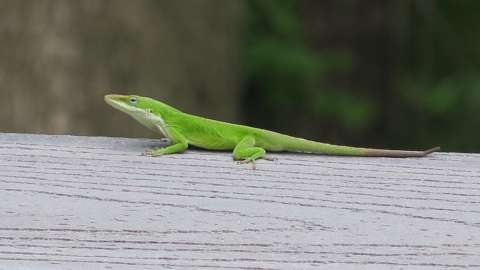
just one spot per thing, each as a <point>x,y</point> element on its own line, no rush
<point>128,103</point>
<point>145,110</point>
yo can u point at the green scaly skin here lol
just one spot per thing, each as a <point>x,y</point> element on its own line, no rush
<point>248,143</point>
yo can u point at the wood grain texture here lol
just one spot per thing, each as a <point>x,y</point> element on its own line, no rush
<point>95,203</point>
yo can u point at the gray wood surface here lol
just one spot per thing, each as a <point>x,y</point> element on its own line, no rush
<point>95,203</point>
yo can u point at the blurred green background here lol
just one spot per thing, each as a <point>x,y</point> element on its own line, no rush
<point>379,73</point>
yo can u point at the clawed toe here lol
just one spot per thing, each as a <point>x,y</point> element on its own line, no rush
<point>151,153</point>
<point>245,161</point>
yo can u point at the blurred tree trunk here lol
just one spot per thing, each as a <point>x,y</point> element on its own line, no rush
<point>59,57</point>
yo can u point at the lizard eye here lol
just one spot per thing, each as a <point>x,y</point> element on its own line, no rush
<point>133,100</point>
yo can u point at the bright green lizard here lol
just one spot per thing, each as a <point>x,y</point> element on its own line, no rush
<point>248,143</point>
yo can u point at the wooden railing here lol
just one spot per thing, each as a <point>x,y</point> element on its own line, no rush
<point>72,202</point>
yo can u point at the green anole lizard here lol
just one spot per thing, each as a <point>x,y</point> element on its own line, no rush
<point>248,143</point>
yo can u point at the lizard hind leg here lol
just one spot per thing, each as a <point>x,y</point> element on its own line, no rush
<point>247,152</point>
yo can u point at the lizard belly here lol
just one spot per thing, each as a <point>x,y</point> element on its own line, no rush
<point>212,143</point>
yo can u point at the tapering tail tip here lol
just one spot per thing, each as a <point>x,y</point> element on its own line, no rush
<point>435,149</point>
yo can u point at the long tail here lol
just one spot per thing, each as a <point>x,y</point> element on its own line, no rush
<point>293,144</point>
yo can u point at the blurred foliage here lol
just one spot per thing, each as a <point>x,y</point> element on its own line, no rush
<point>439,81</point>
<point>285,75</point>
<point>431,94</point>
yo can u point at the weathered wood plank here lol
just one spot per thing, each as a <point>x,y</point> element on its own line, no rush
<point>92,203</point>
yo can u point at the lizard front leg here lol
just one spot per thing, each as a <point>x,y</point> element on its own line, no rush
<point>179,144</point>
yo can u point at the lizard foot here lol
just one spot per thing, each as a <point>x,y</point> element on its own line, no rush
<point>270,158</point>
<point>151,153</point>
<point>245,161</point>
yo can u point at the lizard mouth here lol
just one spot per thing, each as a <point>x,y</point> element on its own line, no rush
<point>117,102</point>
